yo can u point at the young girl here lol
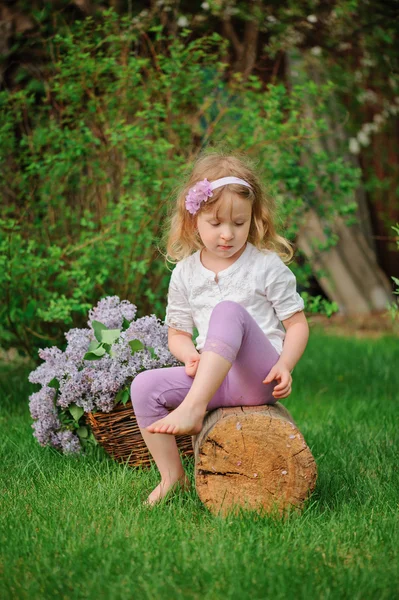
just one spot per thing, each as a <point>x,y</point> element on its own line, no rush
<point>231,283</point>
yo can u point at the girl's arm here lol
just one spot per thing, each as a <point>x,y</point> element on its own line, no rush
<point>296,338</point>
<point>181,345</point>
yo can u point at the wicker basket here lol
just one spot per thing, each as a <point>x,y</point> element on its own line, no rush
<point>118,433</point>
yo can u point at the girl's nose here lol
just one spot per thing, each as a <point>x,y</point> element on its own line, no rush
<point>227,235</point>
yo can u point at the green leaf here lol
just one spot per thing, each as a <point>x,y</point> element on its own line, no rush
<point>109,336</point>
<point>90,356</point>
<point>107,348</point>
<point>54,383</point>
<point>136,345</point>
<point>93,345</point>
<point>119,395</point>
<point>65,417</point>
<point>98,328</point>
<point>125,396</point>
<point>82,432</point>
<point>153,353</point>
<point>95,354</point>
<point>76,411</point>
<point>125,324</point>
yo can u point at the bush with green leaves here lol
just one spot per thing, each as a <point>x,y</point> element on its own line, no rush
<point>90,164</point>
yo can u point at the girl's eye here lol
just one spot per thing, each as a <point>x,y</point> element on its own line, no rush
<point>237,224</point>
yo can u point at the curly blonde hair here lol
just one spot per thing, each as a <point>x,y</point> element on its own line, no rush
<point>182,238</point>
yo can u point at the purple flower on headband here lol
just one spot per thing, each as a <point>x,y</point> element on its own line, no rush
<point>200,192</point>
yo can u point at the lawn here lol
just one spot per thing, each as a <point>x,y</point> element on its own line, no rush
<point>74,527</point>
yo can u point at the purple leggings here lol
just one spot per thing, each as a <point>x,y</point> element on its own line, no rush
<point>234,334</point>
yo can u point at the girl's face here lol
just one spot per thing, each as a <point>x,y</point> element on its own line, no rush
<point>225,235</point>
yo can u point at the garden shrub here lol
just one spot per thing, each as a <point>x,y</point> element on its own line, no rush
<point>90,166</point>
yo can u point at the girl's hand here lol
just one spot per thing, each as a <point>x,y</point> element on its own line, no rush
<point>191,363</point>
<point>281,373</point>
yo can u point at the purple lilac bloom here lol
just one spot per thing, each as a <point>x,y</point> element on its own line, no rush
<point>68,441</point>
<point>110,311</point>
<point>42,409</point>
<point>94,384</point>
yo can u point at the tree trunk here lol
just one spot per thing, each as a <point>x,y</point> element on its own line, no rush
<point>252,457</point>
<point>348,273</point>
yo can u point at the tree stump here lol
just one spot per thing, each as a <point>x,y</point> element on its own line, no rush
<point>252,457</point>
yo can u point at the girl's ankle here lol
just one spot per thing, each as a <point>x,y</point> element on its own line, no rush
<point>171,479</point>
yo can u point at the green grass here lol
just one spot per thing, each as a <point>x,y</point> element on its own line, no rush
<point>74,527</point>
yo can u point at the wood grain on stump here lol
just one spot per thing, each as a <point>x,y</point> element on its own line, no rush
<point>252,457</point>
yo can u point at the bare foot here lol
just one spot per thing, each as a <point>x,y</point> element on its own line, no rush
<point>182,420</point>
<point>166,487</point>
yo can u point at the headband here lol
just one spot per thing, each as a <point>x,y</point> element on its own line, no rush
<point>203,190</point>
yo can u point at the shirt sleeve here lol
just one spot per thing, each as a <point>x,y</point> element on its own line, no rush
<point>280,289</point>
<point>178,311</point>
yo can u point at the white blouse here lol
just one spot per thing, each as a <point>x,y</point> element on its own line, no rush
<point>258,280</point>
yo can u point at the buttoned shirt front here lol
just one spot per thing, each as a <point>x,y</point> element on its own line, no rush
<point>258,280</point>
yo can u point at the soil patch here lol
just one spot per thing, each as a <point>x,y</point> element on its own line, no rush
<point>375,325</point>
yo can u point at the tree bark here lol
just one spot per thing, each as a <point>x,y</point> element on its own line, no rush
<point>252,457</point>
<point>246,50</point>
<point>348,273</point>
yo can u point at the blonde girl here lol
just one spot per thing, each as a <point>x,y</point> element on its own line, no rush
<point>230,282</point>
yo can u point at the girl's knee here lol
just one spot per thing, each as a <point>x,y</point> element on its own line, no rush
<point>227,309</point>
<point>140,388</point>
<point>140,381</point>
<point>228,305</point>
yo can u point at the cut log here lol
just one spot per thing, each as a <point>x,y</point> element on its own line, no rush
<point>252,457</point>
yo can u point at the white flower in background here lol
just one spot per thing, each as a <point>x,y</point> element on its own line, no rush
<point>182,21</point>
<point>311,18</point>
<point>379,119</point>
<point>354,147</point>
<point>366,61</point>
<point>271,19</point>
<point>316,51</point>
<point>363,138</point>
<point>370,128</point>
<point>367,96</point>
<point>205,6</point>
<point>370,95</point>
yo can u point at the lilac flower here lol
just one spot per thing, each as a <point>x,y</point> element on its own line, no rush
<point>93,384</point>
<point>111,311</point>
<point>54,366</point>
<point>41,404</point>
<point>69,442</point>
<point>197,194</point>
<point>78,341</point>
